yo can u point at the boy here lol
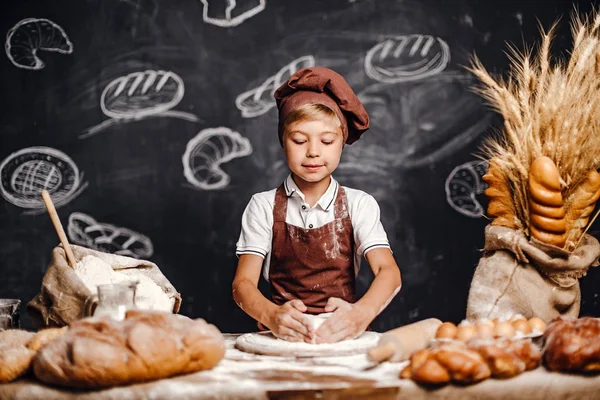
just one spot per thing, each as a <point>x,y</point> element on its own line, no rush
<point>308,235</point>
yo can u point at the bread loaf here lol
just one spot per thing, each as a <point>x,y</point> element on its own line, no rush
<point>573,345</point>
<point>546,205</point>
<point>501,205</point>
<point>17,349</point>
<point>581,204</point>
<point>101,352</point>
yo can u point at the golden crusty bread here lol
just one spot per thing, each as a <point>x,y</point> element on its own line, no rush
<point>501,205</point>
<point>45,336</point>
<point>101,352</point>
<point>581,204</point>
<point>18,348</point>
<point>546,206</point>
<point>14,362</point>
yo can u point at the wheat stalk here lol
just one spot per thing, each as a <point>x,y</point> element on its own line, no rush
<point>550,108</point>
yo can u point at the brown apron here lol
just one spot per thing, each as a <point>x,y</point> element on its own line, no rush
<point>312,265</point>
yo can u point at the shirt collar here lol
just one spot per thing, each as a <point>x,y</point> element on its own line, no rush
<point>326,200</point>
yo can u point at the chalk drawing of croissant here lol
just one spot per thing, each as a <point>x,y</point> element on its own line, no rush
<point>230,13</point>
<point>259,100</point>
<point>86,231</point>
<point>30,36</point>
<point>206,152</point>
<point>139,95</point>
<point>463,184</point>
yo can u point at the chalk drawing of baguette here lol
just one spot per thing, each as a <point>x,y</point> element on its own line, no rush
<point>259,100</point>
<point>140,95</point>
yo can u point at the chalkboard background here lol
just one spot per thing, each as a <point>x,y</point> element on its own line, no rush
<point>131,152</point>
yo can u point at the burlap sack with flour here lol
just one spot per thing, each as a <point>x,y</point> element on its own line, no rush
<point>63,294</point>
<point>528,277</point>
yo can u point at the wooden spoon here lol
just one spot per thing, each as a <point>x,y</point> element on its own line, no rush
<point>59,228</point>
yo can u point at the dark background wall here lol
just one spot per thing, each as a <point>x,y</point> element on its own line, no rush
<point>139,157</point>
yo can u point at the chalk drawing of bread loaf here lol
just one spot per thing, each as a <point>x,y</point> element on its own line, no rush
<point>546,205</point>
<point>28,37</point>
<point>406,58</point>
<point>25,173</point>
<point>206,152</point>
<point>140,94</point>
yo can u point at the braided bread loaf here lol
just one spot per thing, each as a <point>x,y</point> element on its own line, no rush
<point>581,204</point>
<point>472,362</point>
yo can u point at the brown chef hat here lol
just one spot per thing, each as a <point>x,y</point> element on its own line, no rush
<point>323,86</point>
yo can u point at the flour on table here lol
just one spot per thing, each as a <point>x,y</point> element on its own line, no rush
<point>149,296</point>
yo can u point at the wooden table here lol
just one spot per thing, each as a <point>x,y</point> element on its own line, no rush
<point>246,376</point>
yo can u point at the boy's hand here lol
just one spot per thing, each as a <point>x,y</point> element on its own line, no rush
<point>288,322</point>
<point>347,322</point>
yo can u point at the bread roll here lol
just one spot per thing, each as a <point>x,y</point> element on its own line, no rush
<point>101,352</point>
<point>501,204</point>
<point>546,207</point>
<point>581,204</point>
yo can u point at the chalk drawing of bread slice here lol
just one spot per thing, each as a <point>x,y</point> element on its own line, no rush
<point>259,100</point>
<point>32,35</point>
<point>407,58</point>
<point>462,186</point>
<point>140,94</point>
<point>206,152</point>
<point>86,231</point>
<point>25,173</point>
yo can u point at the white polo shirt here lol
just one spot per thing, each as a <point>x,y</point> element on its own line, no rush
<point>257,221</point>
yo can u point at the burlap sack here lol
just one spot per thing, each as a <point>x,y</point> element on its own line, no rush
<point>528,277</point>
<point>63,295</point>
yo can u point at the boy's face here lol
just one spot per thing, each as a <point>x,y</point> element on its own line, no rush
<point>313,149</point>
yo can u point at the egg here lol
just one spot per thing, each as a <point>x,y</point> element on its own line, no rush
<point>517,317</point>
<point>447,330</point>
<point>537,324</point>
<point>504,329</point>
<point>485,329</point>
<point>465,332</point>
<point>521,325</point>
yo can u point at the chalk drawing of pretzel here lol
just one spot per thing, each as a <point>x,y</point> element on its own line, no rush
<point>86,231</point>
<point>139,95</point>
<point>259,100</point>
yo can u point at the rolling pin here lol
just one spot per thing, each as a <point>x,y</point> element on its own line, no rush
<point>398,344</point>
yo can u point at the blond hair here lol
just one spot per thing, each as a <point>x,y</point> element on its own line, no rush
<point>312,112</point>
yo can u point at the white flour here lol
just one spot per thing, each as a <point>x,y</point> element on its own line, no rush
<point>149,296</point>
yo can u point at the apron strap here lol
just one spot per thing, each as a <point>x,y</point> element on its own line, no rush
<point>280,207</point>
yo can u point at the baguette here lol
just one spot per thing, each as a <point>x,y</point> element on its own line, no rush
<point>546,206</point>
<point>581,204</point>
<point>501,205</point>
